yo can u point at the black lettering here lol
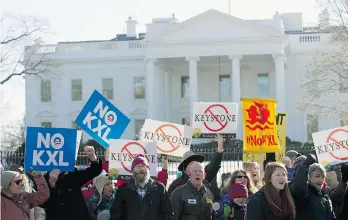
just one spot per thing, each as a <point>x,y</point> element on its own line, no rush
<point>229,118</point>
<point>119,156</point>
<point>153,157</point>
<point>326,148</point>
<point>320,151</point>
<point>176,139</point>
<point>147,135</point>
<point>202,118</point>
<point>113,156</point>
<point>196,117</point>
<point>187,141</point>
<point>153,136</point>
<point>279,119</point>
<point>332,145</point>
<point>181,140</point>
<point>158,136</point>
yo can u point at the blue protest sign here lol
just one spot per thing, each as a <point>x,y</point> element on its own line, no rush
<point>47,149</point>
<point>101,119</point>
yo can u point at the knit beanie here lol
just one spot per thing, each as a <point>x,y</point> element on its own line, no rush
<point>7,177</point>
<point>100,182</point>
<point>299,160</point>
<point>140,159</point>
<point>238,190</point>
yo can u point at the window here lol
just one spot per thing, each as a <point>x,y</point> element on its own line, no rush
<point>76,89</point>
<point>344,120</point>
<point>108,88</point>
<point>185,121</point>
<point>312,126</point>
<point>46,90</point>
<point>46,124</point>
<point>185,86</point>
<point>262,83</point>
<point>138,124</point>
<point>225,86</point>
<point>139,87</point>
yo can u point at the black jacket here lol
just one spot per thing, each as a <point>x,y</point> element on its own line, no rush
<point>66,201</point>
<point>344,213</point>
<point>311,203</point>
<point>212,170</point>
<point>128,205</point>
<point>337,198</point>
<point>190,204</point>
<point>257,208</point>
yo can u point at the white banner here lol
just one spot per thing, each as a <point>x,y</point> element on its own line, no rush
<point>210,119</point>
<point>331,147</point>
<point>171,139</point>
<point>122,153</point>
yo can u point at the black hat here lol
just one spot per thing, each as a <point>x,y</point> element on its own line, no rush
<point>188,157</point>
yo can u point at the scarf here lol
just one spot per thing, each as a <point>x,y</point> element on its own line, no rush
<point>18,200</point>
<point>280,207</point>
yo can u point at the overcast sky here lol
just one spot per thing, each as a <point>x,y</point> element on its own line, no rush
<point>77,20</point>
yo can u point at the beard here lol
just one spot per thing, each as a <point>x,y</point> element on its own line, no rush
<point>141,177</point>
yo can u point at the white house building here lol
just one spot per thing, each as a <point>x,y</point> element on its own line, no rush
<point>210,57</point>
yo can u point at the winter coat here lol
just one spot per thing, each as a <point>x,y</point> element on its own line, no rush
<point>311,203</point>
<point>236,212</point>
<point>89,188</point>
<point>337,198</point>
<point>129,205</point>
<point>94,207</point>
<point>257,208</point>
<point>188,203</point>
<point>66,202</point>
<point>212,170</point>
<point>344,213</point>
<point>11,211</point>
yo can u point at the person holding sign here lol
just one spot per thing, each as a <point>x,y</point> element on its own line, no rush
<point>141,198</point>
<point>311,201</point>
<point>15,203</point>
<point>189,158</point>
<point>66,201</point>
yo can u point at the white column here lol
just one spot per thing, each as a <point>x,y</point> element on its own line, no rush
<point>193,81</point>
<point>236,90</point>
<point>160,94</point>
<point>151,88</point>
<point>168,94</point>
<point>280,81</point>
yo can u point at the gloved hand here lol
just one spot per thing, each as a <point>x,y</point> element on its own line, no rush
<point>227,211</point>
<point>309,160</point>
<point>344,171</point>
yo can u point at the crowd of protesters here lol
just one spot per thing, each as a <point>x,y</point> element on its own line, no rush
<point>297,188</point>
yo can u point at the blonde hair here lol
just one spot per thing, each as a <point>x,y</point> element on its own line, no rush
<point>251,163</point>
<point>283,194</point>
<point>232,180</point>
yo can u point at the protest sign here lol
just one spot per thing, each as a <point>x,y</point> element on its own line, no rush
<point>259,125</point>
<point>281,129</point>
<point>122,153</point>
<point>101,119</point>
<point>210,119</point>
<point>331,147</point>
<point>50,148</point>
<point>171,139</point>
<point>78,140</point>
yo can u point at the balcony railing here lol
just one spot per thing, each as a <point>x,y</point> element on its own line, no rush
<point>309,38</point>
<point>90,47</point>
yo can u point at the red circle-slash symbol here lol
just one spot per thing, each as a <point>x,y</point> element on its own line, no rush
<point>330,138</point>
<point>160,129</point>
<point>125,148</point>
<point>208,110</point>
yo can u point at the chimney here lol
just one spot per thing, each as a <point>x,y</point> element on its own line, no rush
<point>324,19</point>
<point>131,27</point>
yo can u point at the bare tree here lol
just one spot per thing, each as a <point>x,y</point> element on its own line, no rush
<point>13,136</point>
<point>19,33</point>
<point>327,84</point>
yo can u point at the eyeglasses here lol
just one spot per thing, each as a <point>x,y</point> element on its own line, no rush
<point>18,182</point>
<point>240,177</point>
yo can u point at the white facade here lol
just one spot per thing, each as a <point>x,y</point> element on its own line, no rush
<point>224,57</point>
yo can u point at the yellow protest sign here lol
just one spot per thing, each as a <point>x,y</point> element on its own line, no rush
<point>281,128</point>
<point>259,125</point>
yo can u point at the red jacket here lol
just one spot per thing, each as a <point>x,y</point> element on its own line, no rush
<point>89,188</point>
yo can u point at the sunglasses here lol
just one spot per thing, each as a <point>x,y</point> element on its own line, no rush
<point>240,177</point>
<point>18,182</point>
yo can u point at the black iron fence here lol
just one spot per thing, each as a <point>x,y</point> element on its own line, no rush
<point>232,157</point>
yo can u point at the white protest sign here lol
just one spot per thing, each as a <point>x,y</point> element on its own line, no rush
<point>331,147</point>
<point>171,139</point>
<point>78,140</point>
<point>122,153</point>
<point>210,119</point>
